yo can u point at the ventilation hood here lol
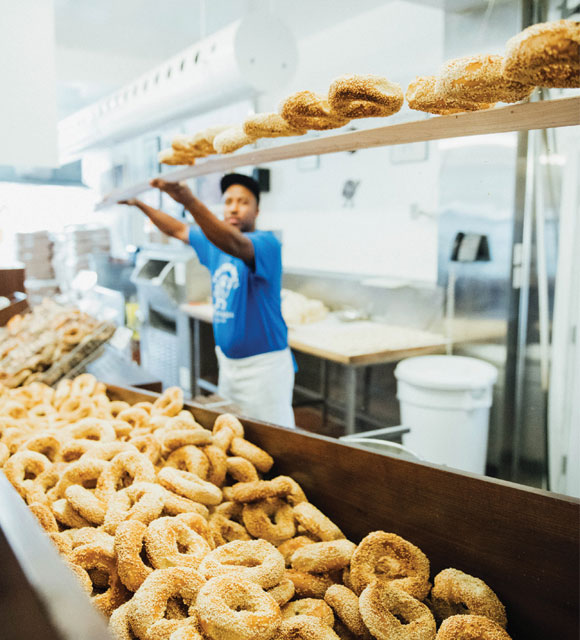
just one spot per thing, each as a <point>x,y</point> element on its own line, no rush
<point>253,55</point>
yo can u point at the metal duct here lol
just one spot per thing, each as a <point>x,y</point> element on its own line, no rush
<point>255,54</point>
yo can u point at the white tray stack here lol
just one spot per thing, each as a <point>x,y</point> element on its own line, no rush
<point>73,248</point>
<point>35,251</point>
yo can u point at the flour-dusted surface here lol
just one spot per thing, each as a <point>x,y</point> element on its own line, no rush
<point>363,337</point>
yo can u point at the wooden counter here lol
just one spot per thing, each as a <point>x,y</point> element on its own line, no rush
<point>12,287</point>
<point>319,339</point>
<point>315,339</point>
<point>362,343</point>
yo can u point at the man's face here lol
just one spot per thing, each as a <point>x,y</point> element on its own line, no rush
<point>241,207</point>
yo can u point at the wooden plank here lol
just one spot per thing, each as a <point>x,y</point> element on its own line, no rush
<point>562,112</point>
<point>519,541</point>
<point>11,280</point>
<point>40,597</point>
<point>376,357</point>
<point>17,306</point>
<point>396,355</point>
<point>21,612</point>
<point>523,542</point>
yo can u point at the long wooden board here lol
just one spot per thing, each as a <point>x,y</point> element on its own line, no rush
<point>376,357</point>
<point>39,597</point>
<point>562,112</point>
<point>523,542</point>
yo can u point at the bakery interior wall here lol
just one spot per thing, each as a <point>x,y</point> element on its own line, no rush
<point>380,230</point>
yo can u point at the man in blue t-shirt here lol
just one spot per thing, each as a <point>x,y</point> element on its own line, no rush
<point>256,369</point>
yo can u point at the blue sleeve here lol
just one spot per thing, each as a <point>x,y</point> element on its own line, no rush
<point>267,255</point>
<point>201,245</point>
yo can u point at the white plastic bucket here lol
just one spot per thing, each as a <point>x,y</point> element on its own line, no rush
<point>445,401</point>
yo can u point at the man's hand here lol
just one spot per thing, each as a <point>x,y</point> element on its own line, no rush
<point>130,201</point>
<point>178,191</point>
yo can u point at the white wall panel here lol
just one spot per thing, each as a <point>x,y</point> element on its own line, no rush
<point>382,233</point>
<point>27,77</point>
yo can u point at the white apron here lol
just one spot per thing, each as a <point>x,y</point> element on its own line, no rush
<point>261,385</point>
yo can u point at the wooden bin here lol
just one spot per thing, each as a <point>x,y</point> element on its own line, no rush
<point>18,304</point>
<point>12,286</point>
<point>523,542</point>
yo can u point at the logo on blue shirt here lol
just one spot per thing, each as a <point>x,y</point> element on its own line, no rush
<point>225,279</point>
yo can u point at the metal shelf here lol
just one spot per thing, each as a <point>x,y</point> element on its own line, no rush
<point>562,112</point>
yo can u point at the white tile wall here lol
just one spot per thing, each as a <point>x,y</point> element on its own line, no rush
<point>379,235</point>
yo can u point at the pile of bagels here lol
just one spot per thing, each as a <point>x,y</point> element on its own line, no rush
<point>179,532</point>
<point>31,343</point>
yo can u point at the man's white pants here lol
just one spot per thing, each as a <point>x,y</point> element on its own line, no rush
<point>261,385</point>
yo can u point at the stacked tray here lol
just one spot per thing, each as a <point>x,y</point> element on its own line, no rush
<point>35,251</point>
<point>73,248</point>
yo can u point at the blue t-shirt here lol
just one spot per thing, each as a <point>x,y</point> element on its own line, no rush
<point>247,317</point>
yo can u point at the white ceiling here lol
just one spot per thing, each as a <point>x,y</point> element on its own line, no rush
<point>103,44</point>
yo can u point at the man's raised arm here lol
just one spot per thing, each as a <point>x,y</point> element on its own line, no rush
<point>222,235</point>
<point>163,221</point>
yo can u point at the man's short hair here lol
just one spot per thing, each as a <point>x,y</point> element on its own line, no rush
<point>239,178</point>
